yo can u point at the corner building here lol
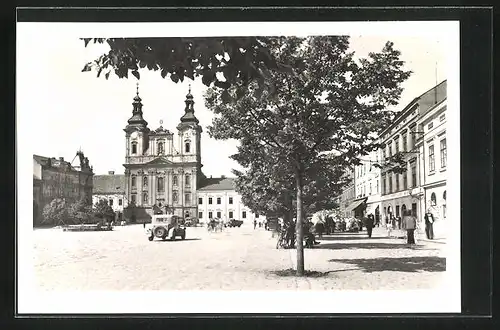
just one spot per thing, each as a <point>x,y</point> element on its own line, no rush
<point>160,168</point>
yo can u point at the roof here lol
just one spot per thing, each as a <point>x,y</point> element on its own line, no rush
<point>109,184</point>
<point>218,184</point>
<point>41,159</point>
<point>54,163</point>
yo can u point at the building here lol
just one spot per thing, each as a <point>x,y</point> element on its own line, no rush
<point>402,191</point>
<point>367,186</point>
<point>56,178</point>
<point>217,198</point>
<point>110,187</point>
<point>348,196</point>
<point>432,145</point>
<point>161,169</point>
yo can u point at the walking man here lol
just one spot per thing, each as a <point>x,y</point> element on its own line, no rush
<point>429,224</point>
<point>410,223</point>
<point>369,225</point>
<point>254,224</point>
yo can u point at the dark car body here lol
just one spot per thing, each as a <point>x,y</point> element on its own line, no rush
<point>234,223</point>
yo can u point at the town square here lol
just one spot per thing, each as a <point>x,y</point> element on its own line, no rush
<point>291,163</point>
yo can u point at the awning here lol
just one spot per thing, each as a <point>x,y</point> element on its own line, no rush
<point>354,205</point>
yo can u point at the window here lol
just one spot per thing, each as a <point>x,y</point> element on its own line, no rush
<point>133,182</point>
<point>187,214</point>
<point>390,183</point>
<point>383,185</point>
<point>120,202</point>
<point>160,148</point>
<point>414,174</point>
<point>230,200</point>
<point>145,198</point>
<point>134,148</point>
<point>413,136</point>
<point>133,198</point>
<point>244,214</point>
<point>218,214</point>
<point>383,154</point>
<point>210,215</point>
<point>175,180</point>
<point>187,147</point>
<point>397,145</point>
<point>200,215</point>
<point>370,188</point>
<point>432,163</point>
<point>175,196</point>
<point>230,214</point>
<point>404,142</point>
<point>110,202</point>
<point>161,185</point>
<point>209,200</point>
<point>218,200</point>
<point>257,216</point>
<point>442,117</point>
<point>188,181</point>
<point>200,200</point>
<point>145,181</point>
<point>405,181</point>
<point>433,199</point>
<point>443,153</point>
<point>389,150</point>
<point>377,187</point>
<point>187,198</point>
<point>397,210</point>
<point>403,209</point>
<point>397,182</point>
<point>444,204</point>
<point>430,125</point>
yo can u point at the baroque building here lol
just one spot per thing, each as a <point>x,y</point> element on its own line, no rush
<point>162,169</point>
<point>56,178</point>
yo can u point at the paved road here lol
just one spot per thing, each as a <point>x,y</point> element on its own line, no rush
<point>236,259</point>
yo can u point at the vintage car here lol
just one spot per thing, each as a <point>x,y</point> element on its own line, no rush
<point>166,225</point>
<point>234,223</point>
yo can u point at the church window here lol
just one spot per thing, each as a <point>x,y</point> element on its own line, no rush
<point>145,181</point>
<point>134,148</point>
<point>175,180</point>
<point>188,181</point>
<point>160,148</point>
<point>187,147</point>
<point>145,198</point>
<point>161,186</point>
<point>187,198</point>
<point>134,182</point>
<point>175,196</point>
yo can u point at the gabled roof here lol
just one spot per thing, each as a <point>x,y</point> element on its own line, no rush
<point>218,184</point>
<point>109,184</point>
<point>41,159</point>
<point>160,160</point>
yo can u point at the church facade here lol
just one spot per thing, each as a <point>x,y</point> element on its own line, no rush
<point>163,169</point>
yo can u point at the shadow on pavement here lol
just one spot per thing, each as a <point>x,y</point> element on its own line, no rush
<point>177,240</point>
<point>367,245</point>
<point>349,238</point>
<point>409,264</point>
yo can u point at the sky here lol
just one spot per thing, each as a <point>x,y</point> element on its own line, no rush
<point>64,109</point>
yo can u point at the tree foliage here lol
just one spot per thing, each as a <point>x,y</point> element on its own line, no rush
<point>103,211</point>
<point>55,213</point>
<point>80,212</point>
<point>222,61</point>
<point>302,134</point>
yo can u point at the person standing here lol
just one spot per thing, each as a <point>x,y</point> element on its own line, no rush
<point>410,223</point>
<point>254,224</point>
<point>369,221</point>
<point>429,225</point>
<point>319,228</point>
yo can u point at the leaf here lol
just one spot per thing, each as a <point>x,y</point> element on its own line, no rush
<point>136,74</point>
<point>164,73</point>
<point>174,77</point>
<point>107,75</point>
<point>87,67</point>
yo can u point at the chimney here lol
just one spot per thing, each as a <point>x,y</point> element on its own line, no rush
<point>61,159</point>
<point>111,172</point>
<point>210,177</point>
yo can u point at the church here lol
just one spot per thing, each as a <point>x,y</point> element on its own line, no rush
<point>163,169</point>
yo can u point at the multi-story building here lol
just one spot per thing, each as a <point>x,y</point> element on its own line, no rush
<point>219,199</point>
<point>367,185</point>
<point>111,187</point>
<point>402,191</point>
<point>346,203</point>
<point>432,145</point>
<point>161,169</point>
<point>56,178</point>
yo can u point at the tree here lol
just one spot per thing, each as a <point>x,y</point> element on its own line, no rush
<point>103,211</point>
<point>222,61</point>
<point>80,212</point>
<point>55,213</point>
<point>319,120</point>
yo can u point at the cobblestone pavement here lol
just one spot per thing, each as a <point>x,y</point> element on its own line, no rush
<point>236,259</point>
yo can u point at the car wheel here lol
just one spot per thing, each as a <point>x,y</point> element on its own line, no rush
<point>150,238</point>
<point>183,236</point>
<point>160,232</point>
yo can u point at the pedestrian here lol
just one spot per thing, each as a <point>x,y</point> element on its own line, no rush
<point>410,224</point>
<point>369,225</point>
<point>319,228</point>
<point>429,225</point>
<point>399,222</point>
<point>254,224</point>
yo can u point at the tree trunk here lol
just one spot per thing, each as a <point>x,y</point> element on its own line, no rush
<point>299,227</point>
